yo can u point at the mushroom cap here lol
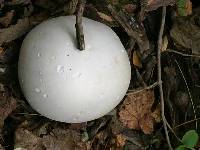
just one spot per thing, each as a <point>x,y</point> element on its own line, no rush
<point>68,85</point>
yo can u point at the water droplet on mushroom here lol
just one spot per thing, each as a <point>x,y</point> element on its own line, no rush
<point>60,69</point>
<point>38,54</point>
<point>37,90</point>
<point>123,51</point>
<point>76,75</point>
<point>45,95</point>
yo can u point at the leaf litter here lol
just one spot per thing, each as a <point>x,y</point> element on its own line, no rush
<point>136,111</point>
<point>136,122</point>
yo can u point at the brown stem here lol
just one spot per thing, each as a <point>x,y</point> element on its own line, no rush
<point>160,77</point>
<point>78,25</point>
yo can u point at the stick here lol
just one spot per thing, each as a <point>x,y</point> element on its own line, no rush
<point>130,92</point>
<point>160,76</point>
<point>182,54</point>
<point>185,123</point>
<point>78,25</point>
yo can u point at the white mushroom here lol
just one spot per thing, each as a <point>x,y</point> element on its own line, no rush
<point>68,85</point>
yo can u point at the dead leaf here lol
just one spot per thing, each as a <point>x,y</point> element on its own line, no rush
<point>135,112</point>
<point>22,26</point>
<point>6,20</point>
<point>149,5</point>
<point>27,140</point>
<point>1,50</point>
<point>116,126</point>
<point>130,8</point>
<point>99,14</point>
<point>78,126</point>
<point>70,7</point>
<point>156,114</point>
<point>136,60</point>
<point>14,31</point>
<point>146,124</point>
<point>7,105</point>
<point>164,44</point>
<point>120,140</point>
<point>105,17</point>
<point>184,7</point>
<point>185,32</point>
<point>63,140</point>
<point>188,7</point>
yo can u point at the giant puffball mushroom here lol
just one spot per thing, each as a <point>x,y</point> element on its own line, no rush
<point>65,84</point>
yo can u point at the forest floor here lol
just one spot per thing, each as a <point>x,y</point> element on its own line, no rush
<point>161,109</point>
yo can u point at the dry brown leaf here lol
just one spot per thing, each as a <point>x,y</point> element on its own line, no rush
<point>135,112</point>
<point>136,60</point>
<point>188,9</point>
<point>7,105</point>
<point>120,140</point>
<point>64,140</point>
<point>27,140</point>
<point>14,31</point>
<point>150,5</point>
<point>6,20</point>
<point>130,8</point>
<point>146,124</point>
<point>156,114</point>
<point>19,29</point>
<point>1,50</point>
<point>185,32</point>
<point>105,17</point>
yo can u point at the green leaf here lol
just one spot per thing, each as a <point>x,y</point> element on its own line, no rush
<point>181,147</point>
<point>190,139</point>
<point>181,4</point>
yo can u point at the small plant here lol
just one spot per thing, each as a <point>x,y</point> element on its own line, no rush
<point>189,140</point>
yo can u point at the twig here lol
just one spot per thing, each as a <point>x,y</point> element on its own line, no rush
<point>173,131</point>
<point>27,114</point>
<point>140,90</point>
<point>160,76</point>
<point>185,55</point>
<point>197,85</point>
<point>189,93</point>
<point>182,124</point>
<point>78,25</point>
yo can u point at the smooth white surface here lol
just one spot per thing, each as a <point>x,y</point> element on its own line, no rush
<point>68,85</point>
